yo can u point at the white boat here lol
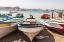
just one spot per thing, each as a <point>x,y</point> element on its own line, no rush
<point>29,29</point>
<point>6,28</point>
<point>56,23</point>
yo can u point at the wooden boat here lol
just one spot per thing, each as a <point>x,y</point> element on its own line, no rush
<point>54,23</point>
<point>57,25</point>
<point>8,25</point>
<point>11,18</point>
<point>30,28</point>
<point>6,28</point>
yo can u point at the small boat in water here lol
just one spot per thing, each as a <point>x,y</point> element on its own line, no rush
<point>6,28</point>
<point>31,28</point>
<point>11,18</point>
<point>18,18</point>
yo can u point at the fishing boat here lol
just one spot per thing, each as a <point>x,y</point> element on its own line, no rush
<point>31,28</point>
<point>6,28</point>
<point>18,18</point>
<point>13,11</point>
<point>57,25</point>
<point>44,18</point>
<point>54,23</point>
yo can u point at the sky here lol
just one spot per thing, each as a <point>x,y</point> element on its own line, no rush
<point>42,4</point>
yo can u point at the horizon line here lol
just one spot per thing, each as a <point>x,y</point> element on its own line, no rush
<point>31,8</point>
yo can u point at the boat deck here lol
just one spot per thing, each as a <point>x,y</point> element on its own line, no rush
<point>16,35</point>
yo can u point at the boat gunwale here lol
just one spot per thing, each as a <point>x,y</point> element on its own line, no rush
<point>8,26</point>
<point>31,25</point>
<point>6,22</point>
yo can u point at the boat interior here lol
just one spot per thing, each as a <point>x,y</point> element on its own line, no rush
<point>30,24</point>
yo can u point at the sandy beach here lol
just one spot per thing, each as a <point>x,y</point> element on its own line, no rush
<point>58,37</point>
<point>16,35</point>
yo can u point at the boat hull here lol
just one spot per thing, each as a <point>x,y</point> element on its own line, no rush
<point>30,32</point>
<point>56,26</point>
<point>6,29</point>
<point>57,29</point>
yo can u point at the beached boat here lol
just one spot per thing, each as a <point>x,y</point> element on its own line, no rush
<point>30,28</point>
<point>8,25</point>
<point>57,25</point>
<point>54,23</point>
<point>6,28</point>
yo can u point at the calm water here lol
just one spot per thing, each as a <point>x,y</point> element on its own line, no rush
<point>36,14</point>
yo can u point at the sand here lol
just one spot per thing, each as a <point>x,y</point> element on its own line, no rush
<point>53,36</point>
<point>59,37</point>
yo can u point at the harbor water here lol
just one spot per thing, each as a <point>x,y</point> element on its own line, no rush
<point>36,14</point>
